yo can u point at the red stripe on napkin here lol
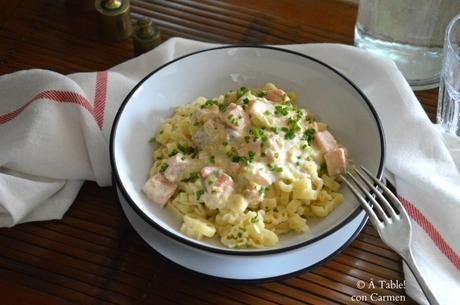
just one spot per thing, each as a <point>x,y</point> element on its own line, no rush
<point>99,98</point>
<point>435,236</point>
<point>71,97</point>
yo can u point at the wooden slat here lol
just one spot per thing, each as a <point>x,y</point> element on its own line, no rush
<point>359,243</point>
<point>331,294</point>
<point>372,258</point>
<point>13,293</point>
<point>299,295</point>
<point>267,294</point>
<point>350,280</point>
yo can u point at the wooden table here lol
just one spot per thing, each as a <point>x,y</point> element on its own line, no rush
<point>92,255</point>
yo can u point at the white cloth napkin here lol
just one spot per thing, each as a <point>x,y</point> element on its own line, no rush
<point>54,134</point>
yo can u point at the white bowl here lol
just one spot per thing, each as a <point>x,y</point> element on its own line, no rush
<point>328,94</point>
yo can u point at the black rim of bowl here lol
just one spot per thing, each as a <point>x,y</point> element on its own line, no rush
<point>196,244</point>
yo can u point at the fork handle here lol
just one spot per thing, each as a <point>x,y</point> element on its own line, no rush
<point>410,261</point>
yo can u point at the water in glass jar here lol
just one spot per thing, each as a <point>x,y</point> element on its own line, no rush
<point>410,32</point>
<point>449,108</point>
<point>448,115</point>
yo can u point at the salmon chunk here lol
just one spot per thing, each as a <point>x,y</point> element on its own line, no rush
<point>233,137</point>
<point>335,161</point>
<point>205,114</point>
<point>254,194</point>
<point>258,111</point>
<point>218,186</point>
<point>235,117</point>
<point>275,95</point>
<point>245,148</point>
<point>216,180</point>
<point>275,149</point>
<point>178,167</point>
<point>211,132</point>
<point>325,141</point>
<point>158,189</point>
<point>233,168</point>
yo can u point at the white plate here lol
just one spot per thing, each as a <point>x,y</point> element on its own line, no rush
<point>246,268</point>
<point>320,88</point>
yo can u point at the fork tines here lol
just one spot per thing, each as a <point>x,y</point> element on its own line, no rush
<point>385,213</point>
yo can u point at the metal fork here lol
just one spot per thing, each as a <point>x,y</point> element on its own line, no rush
<point>390,220</point>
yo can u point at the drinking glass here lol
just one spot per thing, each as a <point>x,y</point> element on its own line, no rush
<point>449,88</point>
<point>410,32</point>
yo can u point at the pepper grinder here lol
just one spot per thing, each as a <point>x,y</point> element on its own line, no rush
<point>113,19</point>
<point>146,36</point>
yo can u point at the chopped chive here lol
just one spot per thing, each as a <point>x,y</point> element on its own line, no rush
<point>308,135</point>
<point>286,98</point>
<point>258,133</point>
<point>261,93</point>
<point>199,194</point>
<point>323,167</point>
<point>280,110</point>
<point>236,159</point>
<point>299,114</point>
<point>241,91</point>
<point>244,161</point>
<point>212,159</point>
<point>164,167</point>
<point>273,168</point>
<point>233,120</point>
<point>188,150</point>
<point>261,191</point>
<point>222,107</point>
<point>173,153</point>
<point>289,134</point>
<point>192,178</point>
<point>209,103</point>
<point>294,123</point>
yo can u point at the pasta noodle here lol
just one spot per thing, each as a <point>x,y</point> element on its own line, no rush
<point>245,167</point>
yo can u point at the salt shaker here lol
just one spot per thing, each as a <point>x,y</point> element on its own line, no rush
<point>113,19</point>
<point>146,36</point>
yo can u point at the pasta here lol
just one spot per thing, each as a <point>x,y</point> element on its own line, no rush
<point>245,167</point>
